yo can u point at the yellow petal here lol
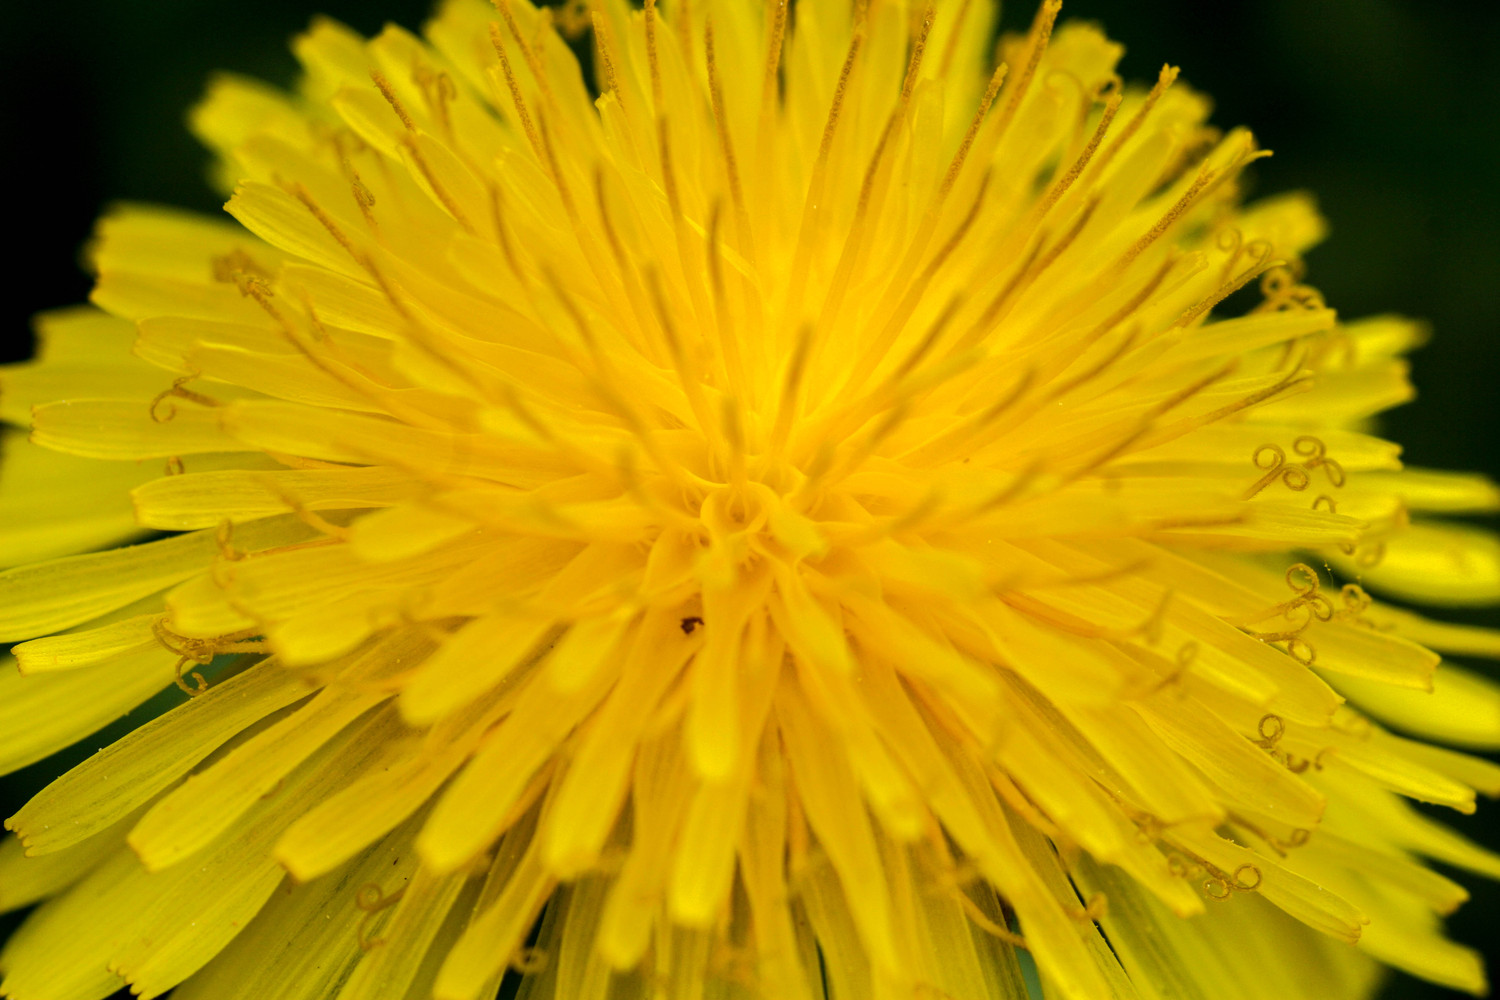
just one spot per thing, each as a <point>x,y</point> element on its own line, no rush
<point>83,648</point>
<point>477,805</point>
<point>586,801</point>
<point>129,772</point>
<point>829,793</point>
<point>309,939</point>
<point>1436,563</point>
<point>49,596</point>
<point>127,431</point>
<point>26,880</point>
<point>52,504</point>
<point>514,892</point>
<point>41,715</point>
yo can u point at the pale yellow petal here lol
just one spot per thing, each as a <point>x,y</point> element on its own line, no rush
<point>1435,563</point>
<point>191,816</point>
<point>129,430</point>
<point>50,596</point>
<point>52,504</point>
<point>86,647</point>
<point>476,807</point>
<point>129,772</point>
<point>309,939</point>
<point>514,892</point>
<point>26,880</point>
<point>41,715</point>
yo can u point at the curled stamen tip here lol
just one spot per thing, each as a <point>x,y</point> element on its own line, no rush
<point>370,899</point>
<point>1247,884</point>
<point>1271,729</point>
<point>200,685</point>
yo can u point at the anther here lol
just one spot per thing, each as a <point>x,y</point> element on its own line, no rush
<point>658,100</point>
<point>726,141</point>
<point>1164,80</point>
<point>776,36</point>
<point>1111,108</point>
<point>438,91</point>
<point>1002,300</point>
<point>517,100</point>
<point>362,197</point>
<point>420,159</point>
<point>668,174</point>
<point>1228,288</point>
<point>1046,259</point>
<point>918,49</point>
<point>1201,184</point>
<point>301,193</point>
<point>604,46</point>
<point>1041,34</point>
<point>389,93</point>
<point>528,52</point>
<point>957,163</point>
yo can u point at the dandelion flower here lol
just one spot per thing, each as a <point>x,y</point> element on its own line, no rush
<point>795,525</point>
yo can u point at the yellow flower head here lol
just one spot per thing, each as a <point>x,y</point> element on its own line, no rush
<point>794,525</point>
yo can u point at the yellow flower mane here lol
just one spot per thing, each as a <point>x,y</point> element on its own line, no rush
<point>794,524</point>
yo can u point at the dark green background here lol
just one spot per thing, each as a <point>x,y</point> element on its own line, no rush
<point>1385,108</point>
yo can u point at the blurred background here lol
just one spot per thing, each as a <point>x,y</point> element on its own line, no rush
<point>1385,108</point>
